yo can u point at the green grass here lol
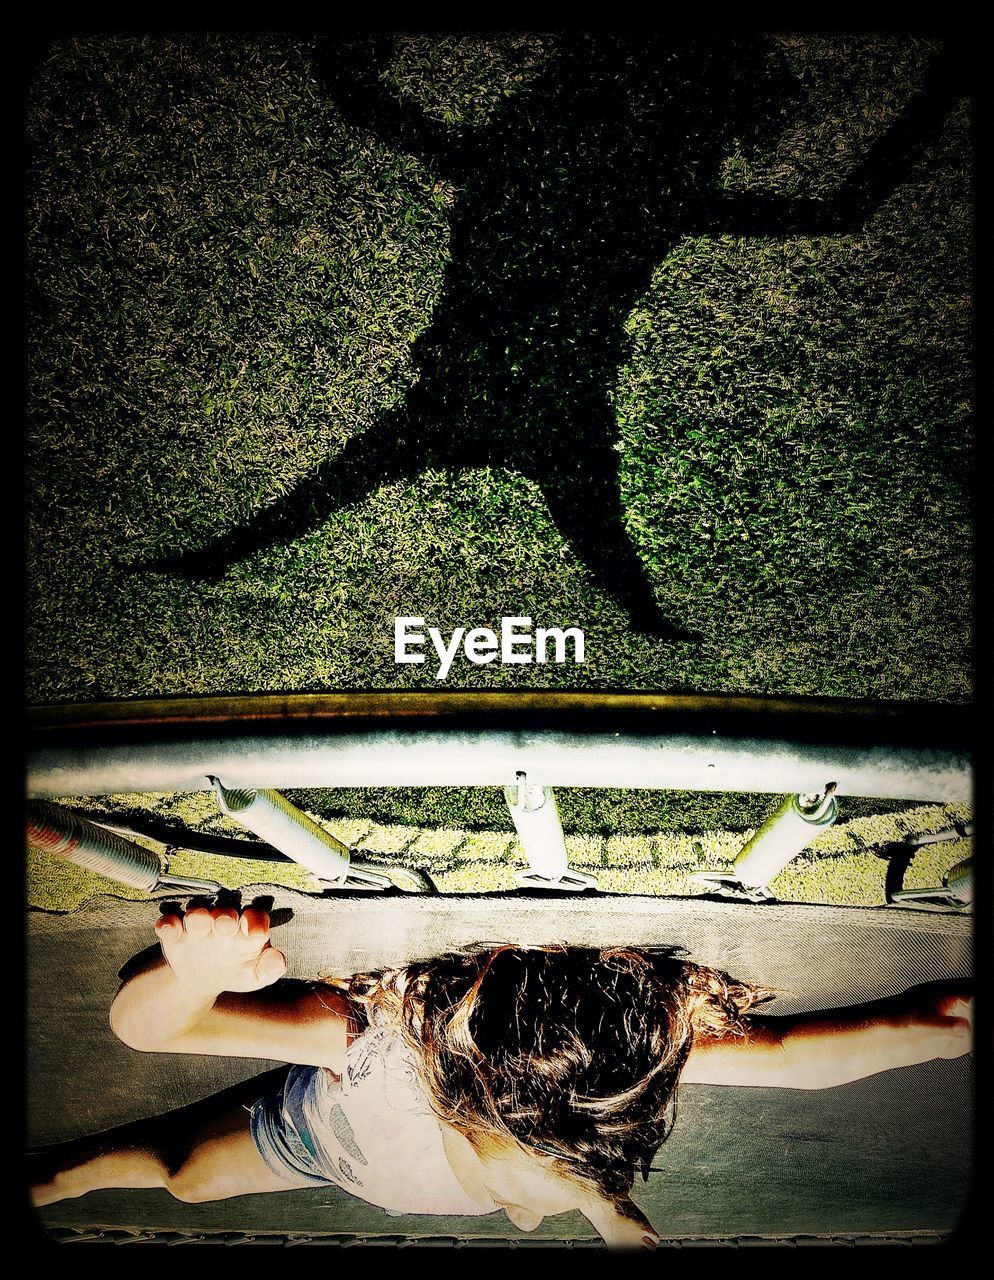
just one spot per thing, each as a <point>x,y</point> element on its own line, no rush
<point>225,279</point>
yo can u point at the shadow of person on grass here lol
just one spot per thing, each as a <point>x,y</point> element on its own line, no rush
<point>570,197</point>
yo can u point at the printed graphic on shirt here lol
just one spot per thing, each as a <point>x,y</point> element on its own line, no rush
<point>343,1132</point>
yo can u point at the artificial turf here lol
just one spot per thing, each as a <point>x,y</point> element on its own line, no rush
<point>228,277</point>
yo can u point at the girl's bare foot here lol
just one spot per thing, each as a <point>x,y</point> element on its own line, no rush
<point>48,1182</point>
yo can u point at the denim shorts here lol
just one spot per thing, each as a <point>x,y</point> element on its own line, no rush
<point>370,1130</point>
<point>282,1126</point>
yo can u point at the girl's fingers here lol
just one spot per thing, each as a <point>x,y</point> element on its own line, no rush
<point>622,1225</point>
<point>225,921</point>
<point>960,1032</point>
<point>271,966</point>
<point>524,1219</point>
<point>168,927</point>
<point>957,1006</point>
<point>199,921</point>
<point>255,923</point>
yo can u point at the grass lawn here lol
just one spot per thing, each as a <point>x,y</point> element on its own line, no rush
<point>233,280</point>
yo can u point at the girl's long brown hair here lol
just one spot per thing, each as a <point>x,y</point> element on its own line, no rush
<point>572,1052</point>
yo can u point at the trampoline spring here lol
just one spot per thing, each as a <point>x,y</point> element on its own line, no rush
<point>188,882</point>
<point>536,820</point>
<point>954,894</point>
<point>281,824</point>
<point>955,831</point>
<point>56,830</point>
<point>789,828</point>
<point>959,880</point>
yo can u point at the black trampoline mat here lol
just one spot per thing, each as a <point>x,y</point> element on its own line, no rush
<point>890,1153</point>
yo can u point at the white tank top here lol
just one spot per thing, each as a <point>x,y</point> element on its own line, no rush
<point>375,1133</point>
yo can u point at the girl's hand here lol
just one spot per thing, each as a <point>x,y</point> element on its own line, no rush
<point>621,1226</point>
<point>943,1011</point>
<point>220,950</point>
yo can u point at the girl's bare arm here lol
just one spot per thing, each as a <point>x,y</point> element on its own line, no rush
<point>213,992</point>
<point>830,1047</point>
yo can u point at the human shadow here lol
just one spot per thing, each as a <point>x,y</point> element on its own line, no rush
<point>570,198</point>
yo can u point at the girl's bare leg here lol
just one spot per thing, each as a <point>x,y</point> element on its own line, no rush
<point>203,1152</point>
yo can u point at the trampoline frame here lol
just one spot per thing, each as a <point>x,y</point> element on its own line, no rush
<point>902,751</point>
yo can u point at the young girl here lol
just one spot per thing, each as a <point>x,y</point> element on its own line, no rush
<point>533,1081</point>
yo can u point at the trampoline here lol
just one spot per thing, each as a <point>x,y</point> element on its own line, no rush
<point>885,1157</point>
